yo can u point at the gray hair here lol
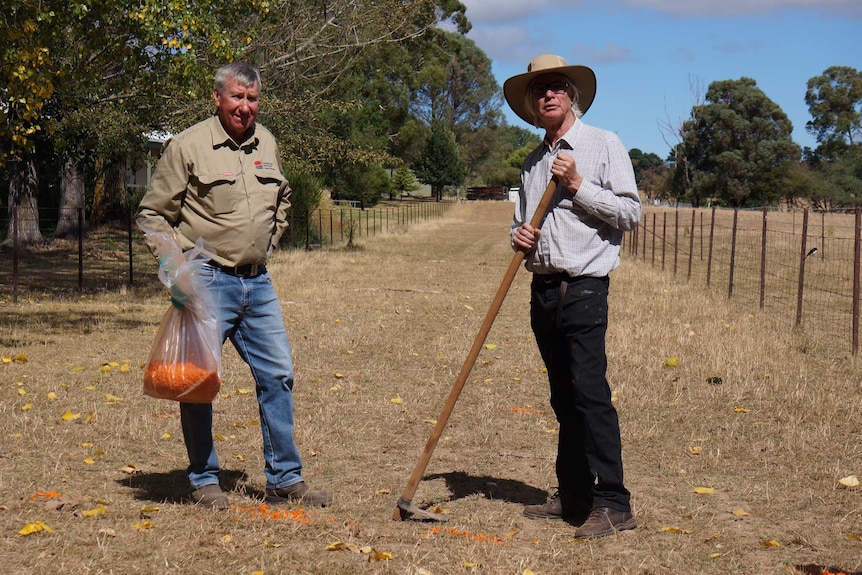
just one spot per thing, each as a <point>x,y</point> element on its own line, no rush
<point>245,74</point>
<point>529,101</point>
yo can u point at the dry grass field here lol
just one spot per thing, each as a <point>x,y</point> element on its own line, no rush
<point>735,456</point>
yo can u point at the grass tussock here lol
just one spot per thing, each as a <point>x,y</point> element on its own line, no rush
<point>379,335</point>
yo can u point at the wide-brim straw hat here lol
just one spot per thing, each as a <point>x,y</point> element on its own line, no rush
<point>584,79</point>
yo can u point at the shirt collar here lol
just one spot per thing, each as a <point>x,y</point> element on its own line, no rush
<point>569,138</point>
<point>221,139</point>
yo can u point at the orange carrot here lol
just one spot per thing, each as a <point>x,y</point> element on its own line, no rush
<point>184,382</point>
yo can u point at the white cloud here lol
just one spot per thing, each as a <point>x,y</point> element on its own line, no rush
<point>506,11</point>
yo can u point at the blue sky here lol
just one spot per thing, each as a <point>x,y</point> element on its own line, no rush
<point>655,59</point>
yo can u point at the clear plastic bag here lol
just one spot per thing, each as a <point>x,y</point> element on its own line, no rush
<point>185,360</point>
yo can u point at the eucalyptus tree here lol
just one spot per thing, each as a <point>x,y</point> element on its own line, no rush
<point>735,146</point>
<point>834,99</point>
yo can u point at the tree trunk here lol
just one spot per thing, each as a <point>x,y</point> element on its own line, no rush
<point>110,199</point>
<point>23,208</point>
<point>71,201</point>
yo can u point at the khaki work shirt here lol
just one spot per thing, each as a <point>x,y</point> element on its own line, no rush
<point>233,196</point>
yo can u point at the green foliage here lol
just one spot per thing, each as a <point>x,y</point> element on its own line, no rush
<point>649,170</point>
<point>365,184</point>
<point>835,101</point>
<point>734,146</point>
<point>306,192</point>
<point>440,163</point>
<point>403,181</point>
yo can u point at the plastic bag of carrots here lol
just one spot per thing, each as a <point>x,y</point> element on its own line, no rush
<point>185,361</point>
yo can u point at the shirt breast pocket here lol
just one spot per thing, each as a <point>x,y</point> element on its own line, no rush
<point>269,184</point>
<point>214,192</point>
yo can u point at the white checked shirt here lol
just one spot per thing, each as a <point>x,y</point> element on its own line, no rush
<point>581,233</point>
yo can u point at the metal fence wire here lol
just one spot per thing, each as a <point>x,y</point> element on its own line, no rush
<point>802,268</point>
<point>114,257</point>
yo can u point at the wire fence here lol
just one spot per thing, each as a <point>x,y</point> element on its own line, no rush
<point>801,268</point>
<point>114,257</point>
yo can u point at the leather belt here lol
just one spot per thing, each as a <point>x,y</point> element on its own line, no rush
<point>246,271</point>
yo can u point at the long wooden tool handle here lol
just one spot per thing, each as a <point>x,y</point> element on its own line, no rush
<point>496,304</point>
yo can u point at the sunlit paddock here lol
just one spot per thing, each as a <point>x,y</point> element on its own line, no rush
<point>737,457</point>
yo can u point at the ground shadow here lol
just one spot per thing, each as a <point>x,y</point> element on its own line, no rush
<point>463,485</point>
<point>813,569</point>
<point>173,486</point>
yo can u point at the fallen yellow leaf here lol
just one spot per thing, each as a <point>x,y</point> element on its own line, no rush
<point>379,555</point>
<point>770,543</point>
<point>740,410</point>
<point>244,391</point>
<point>739,512</point>
<point>27,406</point>
<point>850,482</point>
<point>68,415</point>
<point>100,510</point>
<point>89,461</point>
<point>35,527</point>
<point>52,395</point>
<point>335,546</point>
<point>113,398</point>
<point>144,525</point>
<point>671,362</point>
<point>697,450</point>
<point>704,490</point>
<point>397,399</point>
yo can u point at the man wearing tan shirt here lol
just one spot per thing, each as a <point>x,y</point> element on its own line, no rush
<point>221,180</point>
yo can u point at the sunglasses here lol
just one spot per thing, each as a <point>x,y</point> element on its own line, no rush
<point>557,87</point>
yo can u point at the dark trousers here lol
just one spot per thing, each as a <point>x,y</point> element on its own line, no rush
<point>569,317</point>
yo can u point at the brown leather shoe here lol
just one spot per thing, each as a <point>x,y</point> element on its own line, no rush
<point>210,496</point>
<point>299,493</point>
<point>605,521</point>
<point>559,506</point>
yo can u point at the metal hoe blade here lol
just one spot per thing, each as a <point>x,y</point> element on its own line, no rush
<point>407,509</point>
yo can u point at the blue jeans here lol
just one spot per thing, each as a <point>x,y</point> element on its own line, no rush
<point>569,317</point>
<point>249,314</point>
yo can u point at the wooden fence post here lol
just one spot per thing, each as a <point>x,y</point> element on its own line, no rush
<point>675,239</point>
<point>691,242</point>
<point>857,247</point>
<point>802,252</point>
<point>763,260</point>
<point>709,257</point>
<point>663,239</point>
<point>732,254</point>
<point>14,254</point>
<point>654,234</point>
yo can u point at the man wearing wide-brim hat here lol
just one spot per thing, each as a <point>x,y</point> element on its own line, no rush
<point>571,255</point>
